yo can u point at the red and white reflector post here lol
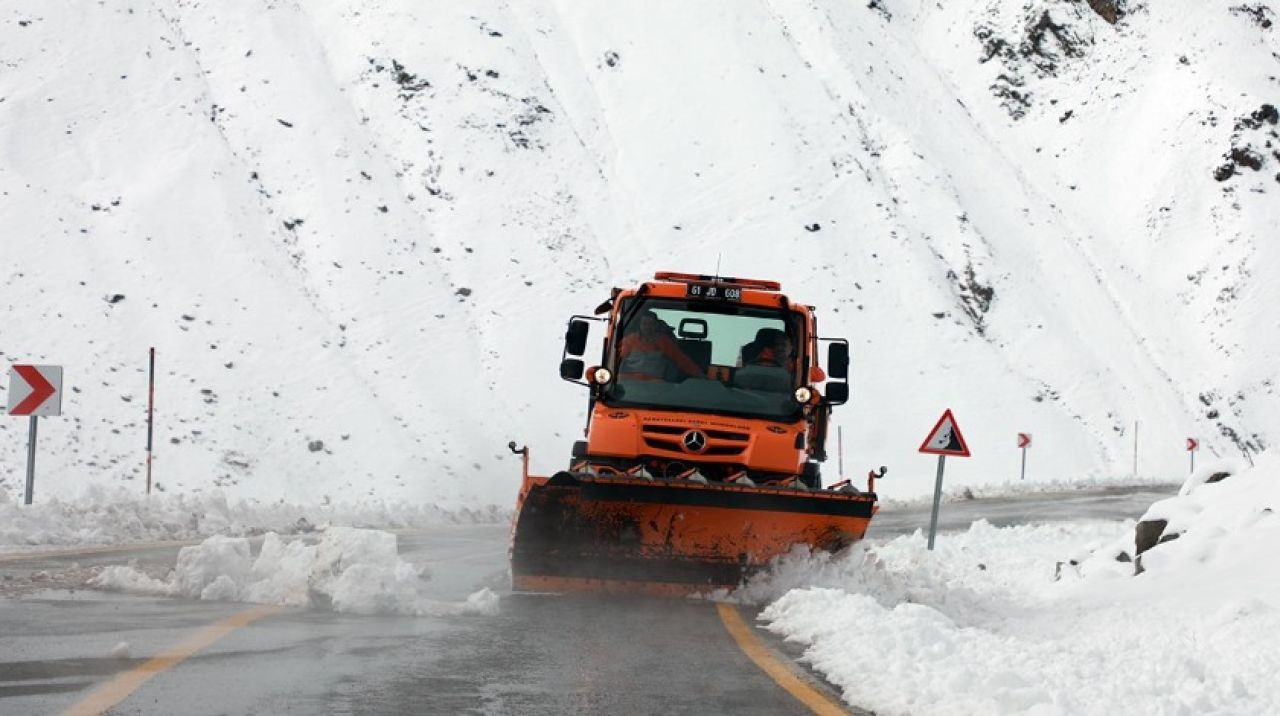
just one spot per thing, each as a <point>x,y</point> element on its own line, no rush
<point>35,391</point>
<point>1192,446</point>
<point>151,408</point>
<point>945,439</point>
<point>1024,442</point>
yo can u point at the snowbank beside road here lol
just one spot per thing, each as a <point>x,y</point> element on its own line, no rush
<point>1044,619</point>
<point>114,516</point>
<point>1221,539</point>
<point>1012,488</point>
<point>348,570</point>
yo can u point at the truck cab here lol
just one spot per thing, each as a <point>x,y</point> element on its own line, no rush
<point>707,378</point>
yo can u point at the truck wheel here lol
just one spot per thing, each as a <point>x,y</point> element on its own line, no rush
<point>578,454</point>
<point>811,476</point>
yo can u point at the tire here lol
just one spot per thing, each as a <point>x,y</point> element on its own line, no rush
<point>578,454</point>
<point>811,476</point>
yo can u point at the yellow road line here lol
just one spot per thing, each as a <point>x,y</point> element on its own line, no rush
<point>754,648</point>
<point>119,688</point>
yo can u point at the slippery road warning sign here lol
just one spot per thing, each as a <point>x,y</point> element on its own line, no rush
<point>945,438</point>
<point>35,390</point>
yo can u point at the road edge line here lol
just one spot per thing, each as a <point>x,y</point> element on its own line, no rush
<point>762,655</point>
<point>89,550</point>
<point>124,684</point>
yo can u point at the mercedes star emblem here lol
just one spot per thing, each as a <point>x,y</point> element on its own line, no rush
<point>695,441</point>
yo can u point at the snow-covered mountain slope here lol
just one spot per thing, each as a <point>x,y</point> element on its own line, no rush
<point>353,230</point>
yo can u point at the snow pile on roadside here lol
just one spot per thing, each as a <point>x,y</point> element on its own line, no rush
<point>1224,537</point>
<point>1000,620</point>
<point>1012,488</point>
<point>982,566</point>
<point>349,570</point>
<point>114,516</point>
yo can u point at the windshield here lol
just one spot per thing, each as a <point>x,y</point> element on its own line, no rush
<point>704,356</point>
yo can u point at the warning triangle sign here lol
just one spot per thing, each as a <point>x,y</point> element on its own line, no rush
<point>945,438</point>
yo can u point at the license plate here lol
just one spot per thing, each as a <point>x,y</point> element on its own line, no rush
<point>713,292</point>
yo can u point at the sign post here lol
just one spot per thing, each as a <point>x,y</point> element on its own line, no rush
<point>945,439</point>
<point>34,390</point>
<point>1024,442</point>
<point>1192,446</point>
<point>31,461</point>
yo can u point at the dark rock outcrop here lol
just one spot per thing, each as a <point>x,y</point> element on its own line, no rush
<point>1147,534</point>
<point>1109,10</point>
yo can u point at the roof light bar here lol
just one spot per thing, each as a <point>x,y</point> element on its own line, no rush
<point>703,278</point>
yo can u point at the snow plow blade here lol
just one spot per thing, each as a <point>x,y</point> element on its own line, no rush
<point>587,532</point>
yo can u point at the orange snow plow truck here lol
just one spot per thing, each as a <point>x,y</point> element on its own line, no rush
<point>705,431</point>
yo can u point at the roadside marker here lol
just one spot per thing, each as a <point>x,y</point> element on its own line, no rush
<point>945,439</point>
<point>1192,446</point>
<point>151,409</point>
<point>1024,442</point>
<point>35,391</point>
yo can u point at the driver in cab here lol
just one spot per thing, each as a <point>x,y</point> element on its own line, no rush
<point>647,350</point>
<point>771,348</point>
<point>774,349</point>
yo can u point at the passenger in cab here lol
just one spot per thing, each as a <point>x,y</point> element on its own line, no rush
<point>647,351</point>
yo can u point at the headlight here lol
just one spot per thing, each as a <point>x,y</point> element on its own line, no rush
<point>803,394</point>
<point>602,376</point>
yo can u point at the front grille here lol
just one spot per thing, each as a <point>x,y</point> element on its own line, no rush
<point>664,444</point>
<point>682,429</point>
<point>720,443</point>
<point>726,435</point>
<point>665,429</point>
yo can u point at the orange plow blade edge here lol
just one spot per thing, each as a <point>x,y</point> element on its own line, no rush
<point>585,532</point>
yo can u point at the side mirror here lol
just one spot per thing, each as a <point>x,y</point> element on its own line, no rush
<point>572,369</point>
<point>837,393</point>
<point>838,361</point>
<point>575,339</point>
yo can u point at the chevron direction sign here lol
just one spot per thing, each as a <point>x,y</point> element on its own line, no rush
<point>35,390</point>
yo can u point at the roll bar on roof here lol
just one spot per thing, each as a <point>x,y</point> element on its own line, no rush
<point>753,283</point>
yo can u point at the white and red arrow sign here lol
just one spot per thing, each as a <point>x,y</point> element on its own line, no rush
<point>1024,440</point>
<point>945,438</point>
<point>1192,444</point>
<point>35,390</point>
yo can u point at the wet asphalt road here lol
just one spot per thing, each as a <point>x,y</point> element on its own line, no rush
<point>539,655</point>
